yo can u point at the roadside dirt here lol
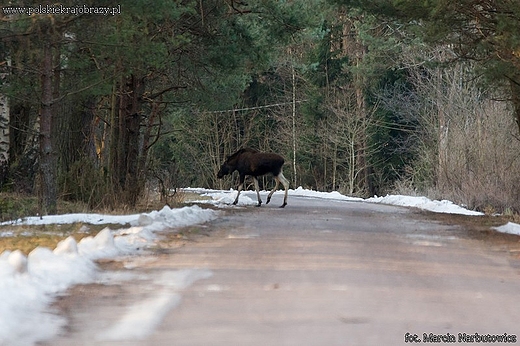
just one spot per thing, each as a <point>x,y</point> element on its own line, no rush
<point>480,228</point>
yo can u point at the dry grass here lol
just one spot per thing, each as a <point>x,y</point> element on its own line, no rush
<point>27,238</point>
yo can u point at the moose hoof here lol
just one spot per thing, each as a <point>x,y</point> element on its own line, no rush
<point>268,200</point>
<point>235,202</point>
<point>283,205</point>
<point>259,204</point>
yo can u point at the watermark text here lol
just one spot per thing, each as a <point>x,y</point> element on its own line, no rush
<point>61,9</point>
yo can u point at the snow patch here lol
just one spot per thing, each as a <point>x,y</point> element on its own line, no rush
<point>443,206</point>
<point>28,284</point>
<point>510,228</point>
<point>224,198</point>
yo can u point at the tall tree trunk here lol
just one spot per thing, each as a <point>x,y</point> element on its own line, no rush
<point>294,122</point>
<point>126,139</point>
<point>48,192</point>
<point>515,96</point>
<point>356,50</point>
<point>4,133</point>
<point>113,141</point>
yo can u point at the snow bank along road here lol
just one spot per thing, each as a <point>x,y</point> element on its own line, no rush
<point>319,272</point>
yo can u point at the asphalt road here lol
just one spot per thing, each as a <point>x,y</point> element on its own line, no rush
<point>318,272</point>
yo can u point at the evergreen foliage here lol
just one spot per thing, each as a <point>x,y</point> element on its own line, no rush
<point>356,95</point>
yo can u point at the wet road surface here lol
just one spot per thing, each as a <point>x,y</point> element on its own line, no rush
<point>318,272</point>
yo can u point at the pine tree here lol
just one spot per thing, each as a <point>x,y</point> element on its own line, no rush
<point>32,45</point>
<point>482,31</point>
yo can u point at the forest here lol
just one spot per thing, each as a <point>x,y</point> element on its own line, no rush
<point>100,101</point>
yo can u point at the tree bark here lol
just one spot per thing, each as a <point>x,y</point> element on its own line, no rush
<point>293,73</point>
<point>48,192</point>
<point>4,135</point>
<point>126,139</point>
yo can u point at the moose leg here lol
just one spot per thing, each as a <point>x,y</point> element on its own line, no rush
<point>240,187</point>
<point>257,188</point>
<point>273,190</point>
<point>285,184</point>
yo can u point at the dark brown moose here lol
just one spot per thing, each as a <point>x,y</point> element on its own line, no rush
<point>254,163</point>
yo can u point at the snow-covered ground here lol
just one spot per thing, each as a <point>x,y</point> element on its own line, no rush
<point>226,198</point>
<point>28,284</point>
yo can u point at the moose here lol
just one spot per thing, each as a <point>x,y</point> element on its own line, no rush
<point>251,162</point>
